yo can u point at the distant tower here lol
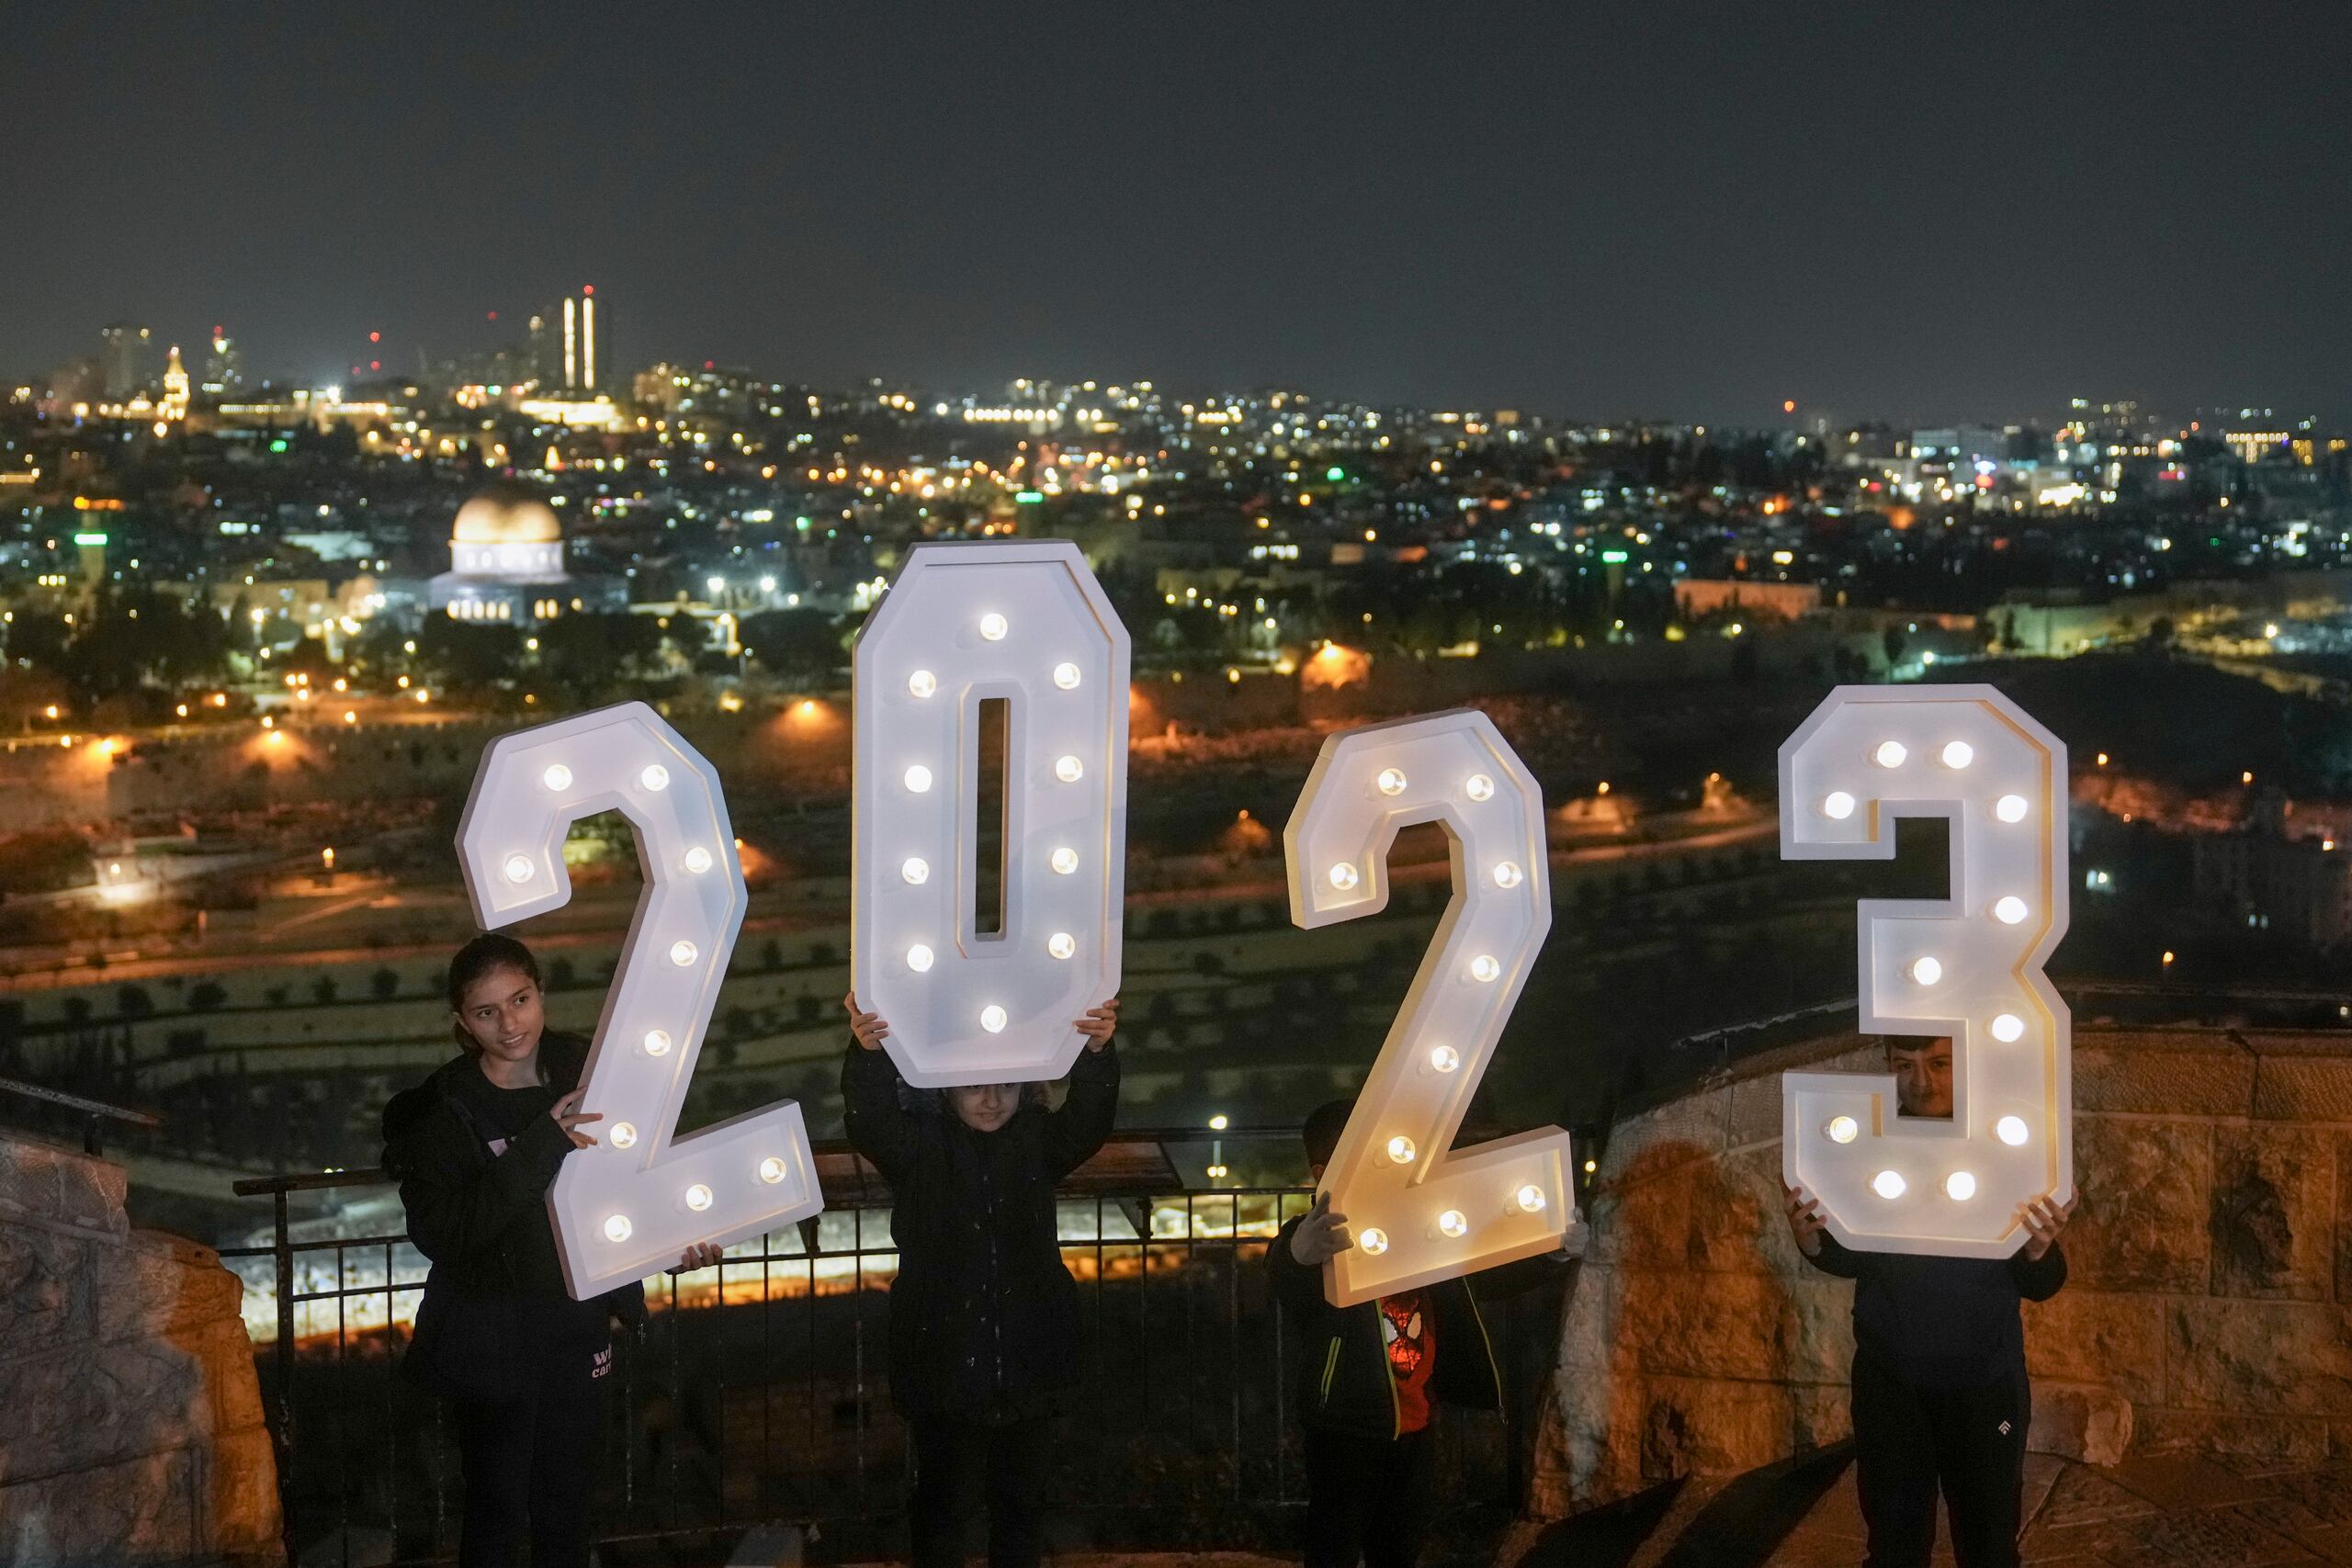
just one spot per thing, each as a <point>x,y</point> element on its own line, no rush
<point>221,373</point>
<point>120,350</point>
<point>174,405</point>
<point>578,343</point>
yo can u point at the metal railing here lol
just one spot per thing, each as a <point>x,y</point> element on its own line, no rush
<point>755,1395</point>
<point>93,1114</point>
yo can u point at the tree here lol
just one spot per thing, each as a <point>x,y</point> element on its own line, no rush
<point>385,984</point>
<point>797,645</point>
<point>1893,642</point>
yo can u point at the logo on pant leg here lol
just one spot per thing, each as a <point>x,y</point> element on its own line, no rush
<point>2005,1426</point>
<point>603,1363</point>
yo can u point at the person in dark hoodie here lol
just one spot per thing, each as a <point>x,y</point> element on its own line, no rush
<point>475,1147</point>
<point>984,1316</point>
<point>1940,1395</point>
<point>1371,1377</point>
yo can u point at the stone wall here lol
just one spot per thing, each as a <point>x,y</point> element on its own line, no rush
<point>131,1418</point>
<point>2208,1307</point>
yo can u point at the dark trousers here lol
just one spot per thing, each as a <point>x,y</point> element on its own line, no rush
<point>962,1467</point>
<point>1969,1442</point>
<point>1367,1498</point>
<point>530,1463</point>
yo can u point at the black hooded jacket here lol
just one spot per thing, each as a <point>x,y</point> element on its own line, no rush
<point>1344,1382</point>
<point>984,1316</point>
<point>481,1218</point>
<point>1942,1323</point>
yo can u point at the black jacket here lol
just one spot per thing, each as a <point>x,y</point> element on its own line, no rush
<point>1941,1324</point>
<point>483,1221</point>
<point>984,1317</point>
<point>1344,1382</point>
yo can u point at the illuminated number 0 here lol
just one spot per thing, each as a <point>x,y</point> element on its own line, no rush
<point>1969,966</point>
<point>1417,1211</point>
<point>629,1206</point>
<point>1028,622</point>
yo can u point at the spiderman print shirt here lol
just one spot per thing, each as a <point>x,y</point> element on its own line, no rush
<point>1410,1340</point>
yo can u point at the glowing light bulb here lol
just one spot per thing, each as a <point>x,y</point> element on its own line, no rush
<point>1958,754</point>
<point>1889,754</point>
<point>2009,1026</point>
<point>1927,971</point>
<point>1444,1059</point>
<point>697,1197</point>
<point>919,779</point>
<point>1478,786</point>
<point>1066,676</point>
<point>1372,1241</point>
<point>655,776</point>
<point>1069,769</point>
<point>916,870</point>
<point>683,953</point>
<point>616,1228</point>
<point>1507,875</point>
<point>1888,1184</point>
<point>919,959</point>
<point>993,626</point>
<point>1453,1222</point>
<point>657,1041</point>
<point>1061,944</point>
<point>1837,804</point>
<point>2010,809</point>
<point>2011,1130</point>
<point>1064,860</point>
<point>1401,1150</point>
<point>1959,1187</point>
<point>1843,1129</point>
<point>1392,780</point>
<point>519,868</point>
<point>624,1135</point>
<point>557,776</point>
<point>697,860</point>
<point>1529,1198</point>
<point>2010,910</point>
<point>1343,876</point>
<point>992,1018</point>
<point>1484,967</point>
<point>922,682</point>
<point>771,1170</point>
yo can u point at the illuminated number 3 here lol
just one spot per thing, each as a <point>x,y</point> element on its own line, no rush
<point>1969,966</point>
<point>629,1206</point>
<point>1025,623</point>
<point>1417,1211</point>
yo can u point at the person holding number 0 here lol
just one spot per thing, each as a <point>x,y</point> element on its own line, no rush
<point>984,1316</point>
<point>1372,1376</point>
<point>475,1147</point>
<point>1940,1396</point>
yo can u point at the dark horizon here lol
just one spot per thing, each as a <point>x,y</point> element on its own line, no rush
<point>1684,214</point>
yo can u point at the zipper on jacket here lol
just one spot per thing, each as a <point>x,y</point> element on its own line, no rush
<point>1494,1368</point>
<point>1330,1365</point>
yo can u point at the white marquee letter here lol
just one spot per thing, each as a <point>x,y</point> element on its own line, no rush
<point>1969,966</point>
<point>628,1207</point>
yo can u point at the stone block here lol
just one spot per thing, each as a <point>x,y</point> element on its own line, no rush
<point>147,1509</point>
<point>2200,1073</point>
<point>160,1283</point>
<point>99,1405</point>
<point>2258,1358</point>
<point>2144,1222</point>
<point>1755,1112</point>
<point>1711,1215</point>
<point>49,1182</point>
<point>245,1494</point>
<point>2259,1441</point>
<point>1588,1320</point>
<point>44,1288</point>
<point>2079,1421</point>
<point>2273,1212</point>
<point>2302,1077</point>
<point>2098,1336</point>
<point>1757,1326</point>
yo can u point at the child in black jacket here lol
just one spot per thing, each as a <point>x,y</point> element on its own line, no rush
<point>1371,1377</point>
<point>475,1147</point>
<point>984,1317</point>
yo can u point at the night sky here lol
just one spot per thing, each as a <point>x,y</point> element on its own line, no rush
<point>1905,210</point>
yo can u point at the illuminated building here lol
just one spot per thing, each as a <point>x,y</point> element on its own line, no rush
<point>572,343</point>
<point>121,348</point>
<point>174,403</point>
<point>2275,872</point>
<point>506,555</point>
<point>221,375</point>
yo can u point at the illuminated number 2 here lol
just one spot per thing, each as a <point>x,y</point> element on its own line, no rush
<point>629,1206</point>
<point>1417,1211</point>
<point>1024,621</point>
<point>1969,966</point>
